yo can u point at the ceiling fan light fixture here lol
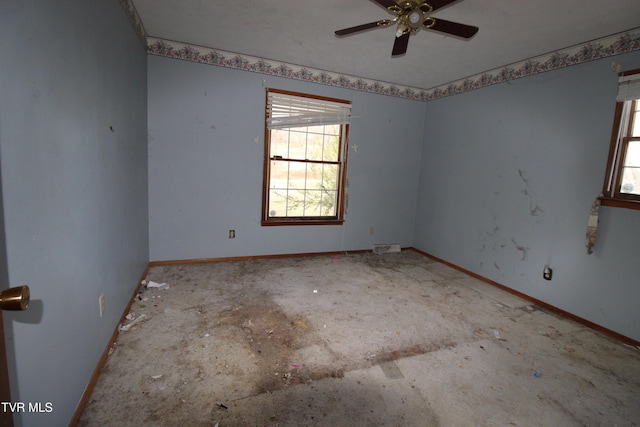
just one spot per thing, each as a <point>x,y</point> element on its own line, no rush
<point>415,18</point>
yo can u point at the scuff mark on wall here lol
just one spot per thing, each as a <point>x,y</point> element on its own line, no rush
<point>525,180</point>
<point>492,233</point>
<point>522,249</point>
<point>537,211</point>
<point>534,209</point>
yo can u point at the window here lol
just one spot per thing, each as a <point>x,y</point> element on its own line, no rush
<point>305,159</point>
<point>622,182</point>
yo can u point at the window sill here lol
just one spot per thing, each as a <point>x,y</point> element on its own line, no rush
<point>276,222</point>
<point>620,203</point>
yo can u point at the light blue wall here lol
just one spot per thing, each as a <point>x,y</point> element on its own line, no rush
<point>498,181</point>
<point>74,176</point>
<point>508,176</point>
<point>206,147</point>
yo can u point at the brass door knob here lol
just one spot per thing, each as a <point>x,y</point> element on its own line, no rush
<point>15,298</point>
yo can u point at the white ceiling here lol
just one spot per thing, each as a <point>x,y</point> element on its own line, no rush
<point>302,33</point>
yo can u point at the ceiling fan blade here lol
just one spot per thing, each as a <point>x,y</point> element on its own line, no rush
<point>400,45</point>
<point>387,3</point>
<point>453,28</point>
<point>363,27</point>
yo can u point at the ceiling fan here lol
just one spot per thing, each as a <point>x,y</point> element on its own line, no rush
<point>411,16</point>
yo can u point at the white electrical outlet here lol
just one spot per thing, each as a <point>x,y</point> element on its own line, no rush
<point>101,304</point>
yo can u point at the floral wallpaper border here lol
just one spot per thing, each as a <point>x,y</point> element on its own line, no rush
<point>608,46</point>
<point>136,22</point>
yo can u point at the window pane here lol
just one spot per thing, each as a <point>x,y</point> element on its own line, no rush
<point>332,129</point>
<point>297,144</point>
<point>302,189</point>
<point>279,174</point>
<point>630,183</point>
<point>329,203</point>
<point>321,180</point>
<point>322,176</point>
<point>314,146</point>
<point>635,130</point>
<point>314,176</point>
<point>331,148</point>
<point>295,203</point>
<point>318,203</point>
<point>297,175</point>
<point>279,143</point>
<point>313,203</point>
<point>633,154</point>
<point>330,177</point>
<point>277,203</point>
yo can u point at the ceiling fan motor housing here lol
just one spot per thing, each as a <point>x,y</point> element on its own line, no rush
<point>413,14</point>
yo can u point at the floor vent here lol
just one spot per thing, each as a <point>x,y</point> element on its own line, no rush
<point>385,249</point>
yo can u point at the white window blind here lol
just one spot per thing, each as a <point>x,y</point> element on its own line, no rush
<point>289,111</point>
<point>628,87</point>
